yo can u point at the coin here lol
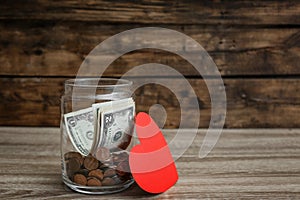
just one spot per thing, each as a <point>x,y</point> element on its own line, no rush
<point>96,173</point>
<point>87,170</point>
<point>123,168</point>
<point>72,166</point>
<point>93,181</point>
<point>108,181</point>
<point>90,162</point>
<point>84,172</point>
<point>73,154</point>
<point>109,172</point>
<point>102,154</point>
<point>80,179</point>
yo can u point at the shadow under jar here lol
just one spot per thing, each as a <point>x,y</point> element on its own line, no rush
<point>102,169</point>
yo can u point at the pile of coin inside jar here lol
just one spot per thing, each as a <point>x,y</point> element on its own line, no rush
<point>102,169</point>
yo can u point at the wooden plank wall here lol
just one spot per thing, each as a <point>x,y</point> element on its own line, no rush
<point>256,45</point>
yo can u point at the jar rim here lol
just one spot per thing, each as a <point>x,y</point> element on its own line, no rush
<point>94,82</point>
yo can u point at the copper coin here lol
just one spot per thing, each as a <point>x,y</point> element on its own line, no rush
<point>102,154</point>
<point>118,179</point>
<point>124,178</point>
<point>90,163</point>
<point>96,173</point>
<point>108,181</point>
<point>72,166</point>
<point>93,181</point>
<point>109,172</point>
<point>80,179</point>
<point>84,172</point>
<point>123,168</point>
<point>73,154</point>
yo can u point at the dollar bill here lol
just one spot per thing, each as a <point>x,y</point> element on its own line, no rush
<point>80,128</point>
<point>87,129</point>
<point>116,125</point>
<point>98,108</point>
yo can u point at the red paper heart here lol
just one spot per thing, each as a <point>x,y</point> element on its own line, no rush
<point>151,162</point>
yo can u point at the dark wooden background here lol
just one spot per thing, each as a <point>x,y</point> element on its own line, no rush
<point>256,45</point>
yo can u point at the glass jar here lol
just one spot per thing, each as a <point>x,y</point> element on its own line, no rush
<point>97,124</point>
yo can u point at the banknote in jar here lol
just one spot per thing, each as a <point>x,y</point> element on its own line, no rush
<point>108,124</point>
<point>115,124</point>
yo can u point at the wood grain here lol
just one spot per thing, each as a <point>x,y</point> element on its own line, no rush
<point>245,164</point>
<point>157,11</point>
<point>58,49</point>
<point>250,102</point>
<point>255,44</point>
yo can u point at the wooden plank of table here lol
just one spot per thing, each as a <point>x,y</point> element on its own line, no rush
<point>57,49</point>
<point>250,102</point>
<point>245,163</point>
<point>157,11</point>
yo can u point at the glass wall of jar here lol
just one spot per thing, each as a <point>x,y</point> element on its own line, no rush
<point>97,124</point>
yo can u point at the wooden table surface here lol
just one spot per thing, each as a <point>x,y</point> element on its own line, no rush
<point>247,164</point>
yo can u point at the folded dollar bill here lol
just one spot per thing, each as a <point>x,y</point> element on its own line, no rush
<point>109,124</point>
<point>115,124</point>
<point>80,128</point>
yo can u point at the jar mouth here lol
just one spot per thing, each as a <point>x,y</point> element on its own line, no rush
<point>98,82</point>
